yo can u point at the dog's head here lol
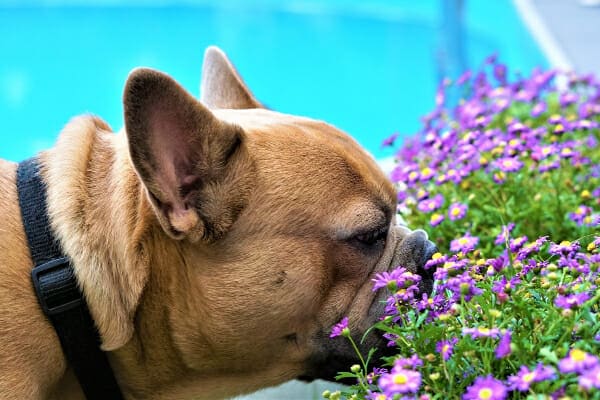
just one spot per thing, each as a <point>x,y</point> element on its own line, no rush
<point>276,226</point>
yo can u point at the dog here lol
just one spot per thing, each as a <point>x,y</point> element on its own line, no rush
<point>216,243</point>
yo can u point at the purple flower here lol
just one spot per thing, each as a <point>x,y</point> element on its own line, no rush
<point>377,396</point>
<point>579,215</point>
<point>590,379</point>
<point>481,332</point>
<point>567,98</point>
<point>412,362</point>
<point>564,247</point>
<point>486,388</point>
<point>531,248</point>
<point>524,378</point>
<point>571,301</point>
<point>542,152</point>
<point>389,141</point>
<point>503,236</point>
<point>436,260</point>
<point>399,381</point>
<point>538,109</point>
<point>577,361</point>
<point>516,244</point>
<point>429,205</point>
<point>397,278</point>
<point>436,219</point>
<point>462,285</point>
<point>503,348</point>
<point>505,286</point>
<point>500,73</point>
<point>508,164</point>
<point>465,244</point>
<point>340,329</point>
<point>445,348</point>
<point>457,211</point>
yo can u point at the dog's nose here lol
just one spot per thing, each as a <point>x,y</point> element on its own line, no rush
<point>413,251</point>
<point>429,249</point>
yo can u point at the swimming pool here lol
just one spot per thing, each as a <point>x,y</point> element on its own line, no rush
<point>370,68</point>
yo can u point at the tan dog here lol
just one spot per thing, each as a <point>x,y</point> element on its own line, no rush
<point>216,243</point>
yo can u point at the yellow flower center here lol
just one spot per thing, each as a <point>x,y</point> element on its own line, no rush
<point>578,355</point>
<point>463,241</point>
<point>426,171</point>
<point>566,151</point>
<point>413,175</point>
<point>455,211</point>
<point>437,255</point>
<point>502,102</point>
<point>546,151</point>
<point>529,377</point>
<point>445,348</point>
<point>559,127</point>
<point>483,331</point>
<point>565,243</point>
<point>400,379</point>
<point>485,394</point>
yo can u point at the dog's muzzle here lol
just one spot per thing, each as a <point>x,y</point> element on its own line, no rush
<point>412,253</point>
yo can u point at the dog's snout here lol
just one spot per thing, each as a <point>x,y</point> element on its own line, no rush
<point>429,249</point>
<point>413,252</point>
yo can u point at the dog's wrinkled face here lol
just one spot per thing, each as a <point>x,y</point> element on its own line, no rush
<point>280,225</point>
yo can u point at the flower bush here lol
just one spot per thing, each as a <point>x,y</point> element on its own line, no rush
<point>507,183</point>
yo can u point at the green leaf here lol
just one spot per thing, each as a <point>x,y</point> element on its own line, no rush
<point>549,354</point>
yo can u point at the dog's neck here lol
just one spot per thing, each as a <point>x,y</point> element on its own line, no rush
<point>91,191</point>
<point>100,214</point>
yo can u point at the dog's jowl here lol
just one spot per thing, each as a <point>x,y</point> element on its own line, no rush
<point>214,243</point>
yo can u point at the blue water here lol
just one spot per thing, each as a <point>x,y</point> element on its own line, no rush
<point>371,69</point>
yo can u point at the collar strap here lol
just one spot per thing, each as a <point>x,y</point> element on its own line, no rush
<point>58,292</point>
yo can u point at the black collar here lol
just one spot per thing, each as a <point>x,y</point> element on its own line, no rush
<point>58,292</point>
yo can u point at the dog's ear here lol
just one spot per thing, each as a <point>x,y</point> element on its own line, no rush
<point>185,156</point>
<point>222,86</point>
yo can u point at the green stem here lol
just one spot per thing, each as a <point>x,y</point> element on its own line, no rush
<point>363,363</point>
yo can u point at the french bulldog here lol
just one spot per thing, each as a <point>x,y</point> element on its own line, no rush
<point>216,243</point>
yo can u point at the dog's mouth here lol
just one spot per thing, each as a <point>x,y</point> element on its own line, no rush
<point>337,355</point>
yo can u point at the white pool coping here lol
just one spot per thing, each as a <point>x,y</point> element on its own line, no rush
<point>543,35</point>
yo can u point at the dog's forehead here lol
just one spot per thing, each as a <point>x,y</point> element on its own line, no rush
<point>310,150</point>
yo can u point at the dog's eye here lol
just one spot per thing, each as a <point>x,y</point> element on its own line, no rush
<point>373,237</point>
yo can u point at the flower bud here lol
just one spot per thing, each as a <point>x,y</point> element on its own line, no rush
<point>326,394</point>
<point>355,368</point>
<point>502,297</point>
<point>465,288</point>
<point>552,276</point>
<point>567,313</point>
<point>337,395</point>
<point>444,317</point>
<point>434,376</point>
